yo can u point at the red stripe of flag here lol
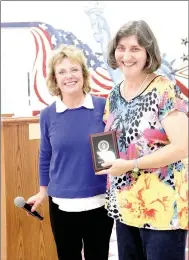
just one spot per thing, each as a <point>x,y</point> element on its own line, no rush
<point>100,84</point>
<point>104,77</point>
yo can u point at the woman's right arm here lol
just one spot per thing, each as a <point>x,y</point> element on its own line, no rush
<point>44,161</point>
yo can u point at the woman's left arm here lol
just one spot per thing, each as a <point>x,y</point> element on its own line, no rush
<point>176,127</point>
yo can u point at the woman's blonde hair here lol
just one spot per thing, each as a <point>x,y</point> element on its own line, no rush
<point>75,55</point>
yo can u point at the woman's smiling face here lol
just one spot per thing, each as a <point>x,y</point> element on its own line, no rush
<point>130,56</point>
<point>69,76</point>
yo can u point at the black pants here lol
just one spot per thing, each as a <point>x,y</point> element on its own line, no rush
<point>75,230</point>
<point>145,244</point>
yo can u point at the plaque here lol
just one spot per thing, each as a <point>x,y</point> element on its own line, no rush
<point>103,148</point>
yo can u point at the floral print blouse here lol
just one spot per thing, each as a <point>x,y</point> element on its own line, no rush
<point>155,198</point>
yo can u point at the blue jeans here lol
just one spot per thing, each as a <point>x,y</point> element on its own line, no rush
<point>146,244</point>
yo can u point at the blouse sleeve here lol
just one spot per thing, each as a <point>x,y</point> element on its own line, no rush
<point>170,99</point>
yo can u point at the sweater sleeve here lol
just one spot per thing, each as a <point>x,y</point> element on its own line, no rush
<point>45,149</point>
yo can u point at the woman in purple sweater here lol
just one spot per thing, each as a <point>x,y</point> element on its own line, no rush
<point>76,195</point>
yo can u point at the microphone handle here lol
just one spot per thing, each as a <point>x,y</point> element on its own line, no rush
<point>28,207</point>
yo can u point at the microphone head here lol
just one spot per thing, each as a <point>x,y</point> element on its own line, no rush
<point>19,202</point>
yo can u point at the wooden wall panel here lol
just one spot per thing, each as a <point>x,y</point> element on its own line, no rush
<point>3,204</point>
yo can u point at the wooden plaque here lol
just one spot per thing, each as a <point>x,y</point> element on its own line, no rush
<point>104,148</point>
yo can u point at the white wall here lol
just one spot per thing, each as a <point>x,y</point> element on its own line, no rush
<point>15,64</point>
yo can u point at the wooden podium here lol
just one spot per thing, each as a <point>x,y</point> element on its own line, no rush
<point>22,237</point>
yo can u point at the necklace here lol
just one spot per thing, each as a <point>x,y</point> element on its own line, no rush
<point>136,94</point>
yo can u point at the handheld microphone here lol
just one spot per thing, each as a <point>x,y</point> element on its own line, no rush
<point>20,202</point>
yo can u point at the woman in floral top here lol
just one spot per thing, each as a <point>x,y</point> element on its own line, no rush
<point>147,190</point>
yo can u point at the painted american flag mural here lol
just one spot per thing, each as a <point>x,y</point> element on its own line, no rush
<point>46,38</point>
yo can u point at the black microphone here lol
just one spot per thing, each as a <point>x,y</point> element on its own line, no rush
<point>20,202</point>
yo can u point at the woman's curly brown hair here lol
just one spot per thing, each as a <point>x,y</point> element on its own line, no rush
<point>74,54</point>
